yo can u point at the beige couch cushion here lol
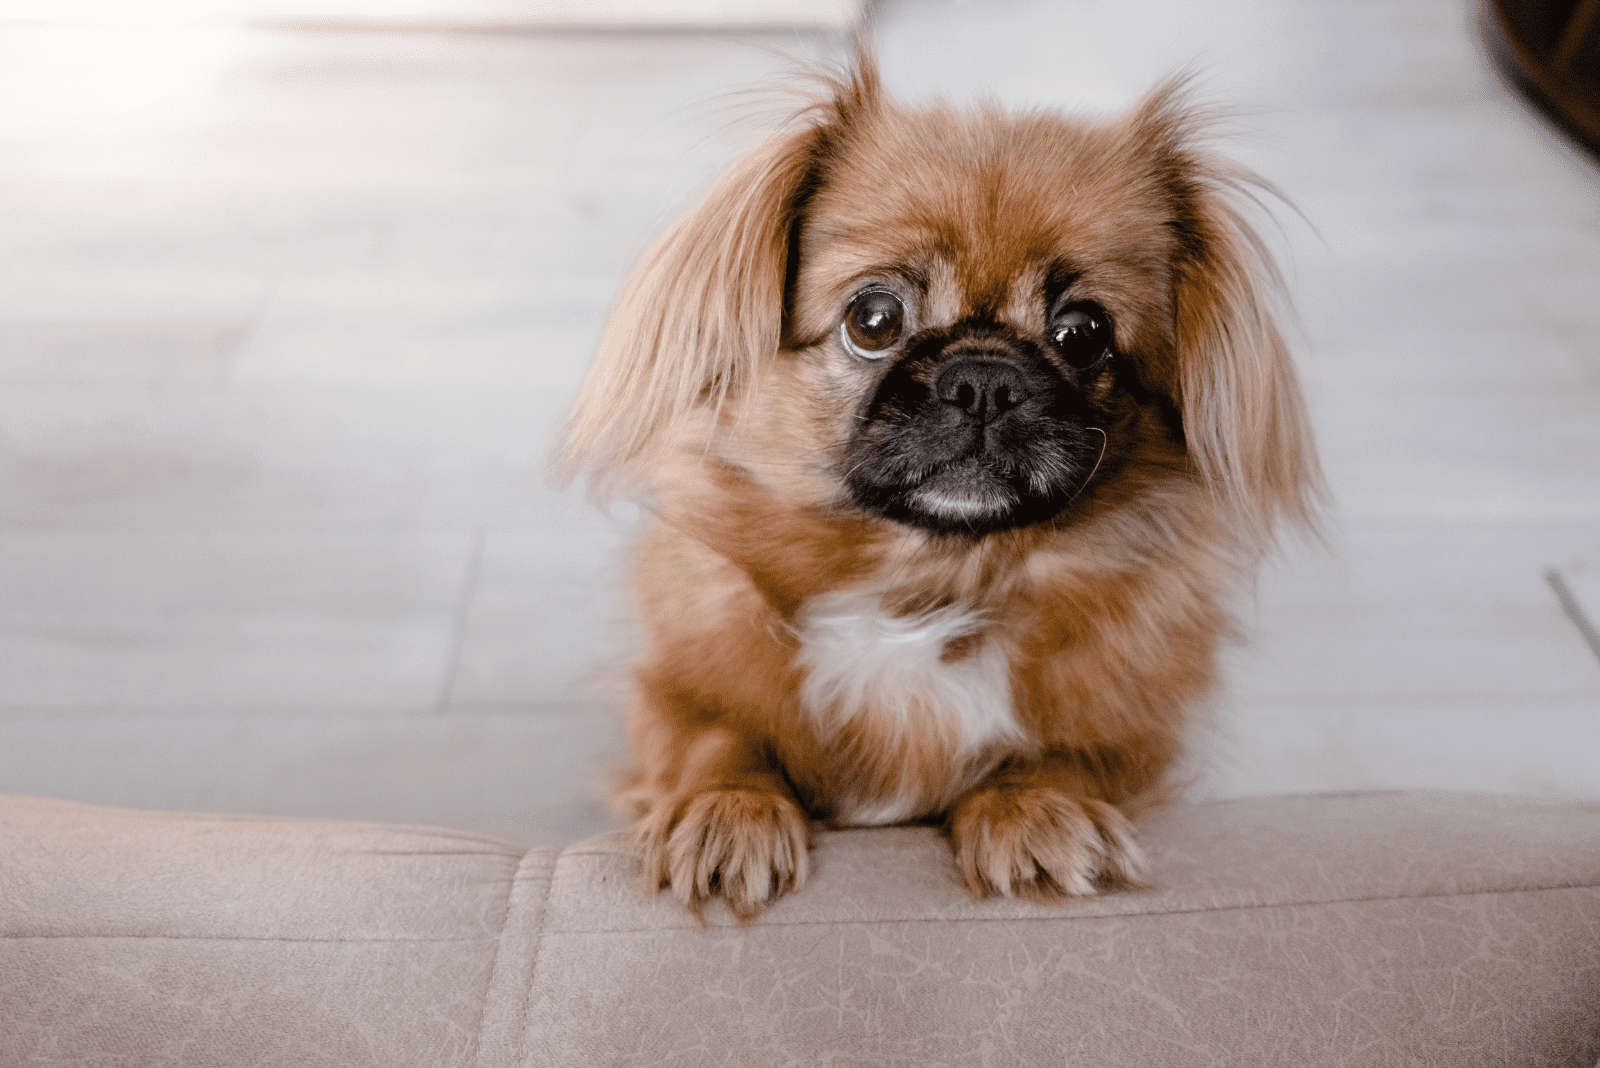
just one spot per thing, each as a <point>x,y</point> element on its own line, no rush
<point>1347,930</point>
<point>141,938</point>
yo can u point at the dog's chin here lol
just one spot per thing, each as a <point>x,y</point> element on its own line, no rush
<point>962,499</point>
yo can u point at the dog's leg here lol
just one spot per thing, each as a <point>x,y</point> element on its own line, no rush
<point>1041,829</point>
<point>729,825</point>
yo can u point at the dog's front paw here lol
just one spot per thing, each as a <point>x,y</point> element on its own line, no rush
<point>1041,843</point>
<point>747,845</point>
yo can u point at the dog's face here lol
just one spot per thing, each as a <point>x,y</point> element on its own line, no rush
<point>962,322</point>
<point>976,345</point>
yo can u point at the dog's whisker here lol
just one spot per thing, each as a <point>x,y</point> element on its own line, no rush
<point>1097,461</point>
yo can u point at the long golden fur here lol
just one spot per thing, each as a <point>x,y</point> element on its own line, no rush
<point>843,627</point>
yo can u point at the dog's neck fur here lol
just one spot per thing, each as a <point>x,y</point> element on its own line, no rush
<point>932,684</point>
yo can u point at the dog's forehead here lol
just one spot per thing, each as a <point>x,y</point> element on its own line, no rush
<point>991,201</point>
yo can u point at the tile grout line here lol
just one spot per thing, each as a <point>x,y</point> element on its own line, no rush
<point>463,614</point>
<point>1573,609</point>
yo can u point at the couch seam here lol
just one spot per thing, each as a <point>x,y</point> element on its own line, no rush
<point>533,965</point>
<point>499,946</point>
<point>836,921</point>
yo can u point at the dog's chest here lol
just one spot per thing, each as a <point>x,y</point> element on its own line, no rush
<point>925,698</point>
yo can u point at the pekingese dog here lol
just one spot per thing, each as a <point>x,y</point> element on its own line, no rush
<point>958,429</point>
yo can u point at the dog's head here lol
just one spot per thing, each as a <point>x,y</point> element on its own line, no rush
<point>962,322</point>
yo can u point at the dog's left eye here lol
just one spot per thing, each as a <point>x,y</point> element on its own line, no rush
<point>873,322</point>
<point>1082,333</point>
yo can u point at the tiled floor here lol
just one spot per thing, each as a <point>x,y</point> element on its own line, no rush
<point>287,322</point>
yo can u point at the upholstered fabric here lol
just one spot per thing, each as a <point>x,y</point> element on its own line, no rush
<point>1382,929</point>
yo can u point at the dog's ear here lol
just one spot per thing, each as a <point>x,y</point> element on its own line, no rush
<point>706,303</point>
<point>1244,419</point>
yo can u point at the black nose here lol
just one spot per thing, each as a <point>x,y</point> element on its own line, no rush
<point>982,388</point>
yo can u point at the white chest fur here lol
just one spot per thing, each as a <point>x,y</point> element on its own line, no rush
<point>890,676</point>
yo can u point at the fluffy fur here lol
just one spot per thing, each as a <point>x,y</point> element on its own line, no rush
<point>958,429</point>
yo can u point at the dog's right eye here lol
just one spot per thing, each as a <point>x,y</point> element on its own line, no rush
<point>873,322</point>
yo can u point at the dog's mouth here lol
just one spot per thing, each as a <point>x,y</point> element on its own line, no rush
<point>973,438</point>
<point>976,496</point>
<point>964,492</point>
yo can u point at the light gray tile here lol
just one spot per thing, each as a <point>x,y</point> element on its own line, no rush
<point>431,329</point>
<point>140,351</point>
<point>1493,746</point>
<point>1525,447</point>
<point>1581,574</point>
<point>272,456</point>
<point>551,617</point>
<point>535,778</point>
<point>532,15</point>
<point>227,620</point>
<point>1428,655</point>
<point>1421,611</point>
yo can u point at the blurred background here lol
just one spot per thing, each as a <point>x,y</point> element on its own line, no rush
<point>294,294</point>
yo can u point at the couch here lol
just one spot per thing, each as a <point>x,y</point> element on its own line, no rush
<point>1356,929</point>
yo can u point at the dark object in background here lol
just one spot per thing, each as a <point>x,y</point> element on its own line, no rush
<point>1550,50</point>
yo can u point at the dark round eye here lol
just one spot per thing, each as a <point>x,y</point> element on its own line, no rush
<point>1082,333</point>
<point>873,322</point>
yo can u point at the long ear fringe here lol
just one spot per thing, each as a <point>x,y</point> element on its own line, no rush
<point>1244,416</point>
<point>700,308</point>
<point>705,304</point>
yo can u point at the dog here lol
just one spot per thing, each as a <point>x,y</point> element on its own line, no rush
<point>958,429</point>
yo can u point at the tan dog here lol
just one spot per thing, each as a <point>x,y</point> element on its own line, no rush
<point>958,430</point>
